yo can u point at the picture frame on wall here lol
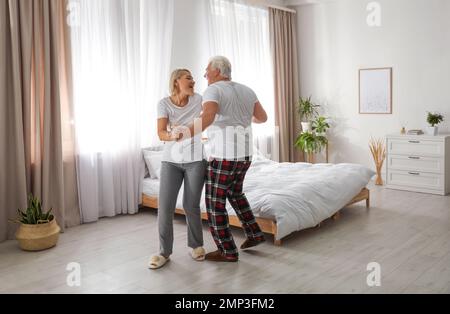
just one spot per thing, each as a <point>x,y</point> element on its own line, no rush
<point>375,91</point>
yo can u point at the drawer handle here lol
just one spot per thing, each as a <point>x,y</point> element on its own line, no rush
<point>414,173</point>
<point>413,157</point>
<point>414,142</point>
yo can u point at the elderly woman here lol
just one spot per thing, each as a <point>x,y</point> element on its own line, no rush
<point>182,162</point>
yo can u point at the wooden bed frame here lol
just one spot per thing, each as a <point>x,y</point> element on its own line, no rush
<point>266,225</point>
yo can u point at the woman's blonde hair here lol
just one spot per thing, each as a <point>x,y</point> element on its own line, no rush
<point>176,74</point>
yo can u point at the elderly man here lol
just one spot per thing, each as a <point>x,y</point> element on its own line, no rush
<point>228,110</point>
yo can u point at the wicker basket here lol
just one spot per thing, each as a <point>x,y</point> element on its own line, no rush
<point>38,237</point>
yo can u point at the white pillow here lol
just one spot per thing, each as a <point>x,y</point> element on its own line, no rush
<point>153,161</point>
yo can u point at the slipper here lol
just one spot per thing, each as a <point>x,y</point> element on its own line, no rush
<point>157,261</point>
<point>198,253</point>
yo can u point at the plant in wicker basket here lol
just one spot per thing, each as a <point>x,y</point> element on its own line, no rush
<point>33,214</point>
<point>378,150</point>
<point>38,230</point>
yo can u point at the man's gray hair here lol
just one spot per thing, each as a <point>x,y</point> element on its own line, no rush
<point>222,64</point>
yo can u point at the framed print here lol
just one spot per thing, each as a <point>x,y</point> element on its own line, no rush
<point>375,90</point>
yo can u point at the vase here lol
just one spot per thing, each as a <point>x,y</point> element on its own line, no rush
<point>310,158</point>
<point>306,126</point>
<point>38,237</point>
<point>379,179</point>
<point>432,130</point>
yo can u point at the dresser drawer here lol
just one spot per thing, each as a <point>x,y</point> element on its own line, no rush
<point>416,163</point>
<point>415,147</point>
<point>416,179</point>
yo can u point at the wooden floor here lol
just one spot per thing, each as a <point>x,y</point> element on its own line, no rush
<point>408,234</point>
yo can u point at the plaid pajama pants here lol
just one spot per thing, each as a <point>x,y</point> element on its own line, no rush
<point>225,179</point>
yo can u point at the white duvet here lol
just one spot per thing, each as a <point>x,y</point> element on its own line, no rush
<point>296,195</point>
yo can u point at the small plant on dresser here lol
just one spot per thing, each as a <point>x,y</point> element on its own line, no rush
<point>433,119</point>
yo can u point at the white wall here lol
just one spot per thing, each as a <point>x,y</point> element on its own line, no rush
<point>334,41</point>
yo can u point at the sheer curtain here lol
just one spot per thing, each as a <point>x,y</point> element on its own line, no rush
<point>240,32</point>
<point>121,52</point>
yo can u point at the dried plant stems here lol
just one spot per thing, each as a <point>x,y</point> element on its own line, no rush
<point>378,150</point>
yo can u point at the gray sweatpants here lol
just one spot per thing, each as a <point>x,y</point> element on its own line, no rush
<point>172,176</point>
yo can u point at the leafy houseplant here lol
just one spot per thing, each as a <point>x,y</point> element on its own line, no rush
<point>33,214</point>
<point>433,119</point>
<point>310,143</point>
<point>307,110</point>
<point>320,125</point>
<point>38,229</point>
<point>312,138</point>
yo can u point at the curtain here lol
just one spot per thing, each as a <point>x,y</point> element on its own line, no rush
<point>240,32</point>
<point>284,52</point>
<point>121,53</point>
<point>33,101</point>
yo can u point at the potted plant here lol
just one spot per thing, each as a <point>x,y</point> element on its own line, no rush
<point>314,140</point>
<point>38,230</point>
<point>307,110</point>
<point>433,119</point>
<point>320,125</point>
<point>311,143</point>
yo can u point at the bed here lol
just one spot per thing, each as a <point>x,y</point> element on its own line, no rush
<point>289,197</point>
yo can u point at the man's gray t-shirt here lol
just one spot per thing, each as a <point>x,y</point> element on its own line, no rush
<point>229,137</point>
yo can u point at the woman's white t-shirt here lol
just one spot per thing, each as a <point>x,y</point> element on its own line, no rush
<point>190,149</point>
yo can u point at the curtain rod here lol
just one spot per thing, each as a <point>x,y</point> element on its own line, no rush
<point>267,4</point>
<point>281,8</point>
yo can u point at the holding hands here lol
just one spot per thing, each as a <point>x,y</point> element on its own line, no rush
<point>178,132</point>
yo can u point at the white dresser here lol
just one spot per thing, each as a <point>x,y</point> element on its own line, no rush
<point>419,163</point>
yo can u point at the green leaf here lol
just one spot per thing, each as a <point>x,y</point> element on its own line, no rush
<point>320,125</point>
<point>310,142</point>
<point>21,213</point>
<point>21,217</point>
<point>307,109</point>
<point>434,118</point>
<point>47,214</point>
<point>39,209</point>
<point>31,216</point>
<point>33,213</point>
